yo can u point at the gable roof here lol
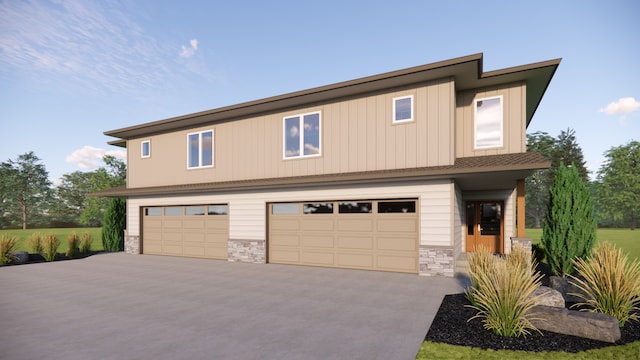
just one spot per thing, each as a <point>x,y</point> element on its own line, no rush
<point>466,72</point>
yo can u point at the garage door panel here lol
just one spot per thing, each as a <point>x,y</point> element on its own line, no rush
<point>397,243</point>
<point>285,256</point>
<point>397,225</point>
<point>153,222</point>
<point>287,224</point>
<point>353,242</point>
<point>317,258</point>
<point>172,224</point>
<point>364,261</point>
<point>189,250</point>
<point>193,224</point>
<point>318,241</point>
<point>355,225</point>
<point>193,236</point>
<point>285,240</point>
<point>220,223</point>
<point>215,238</point>
<point>216,252</point>
<point>172,248</point>
<point>318,224</point>
<point>397,262</point>
<point>172,236</point>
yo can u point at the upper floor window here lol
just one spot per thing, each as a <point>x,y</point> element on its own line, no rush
<point>200,149</point>
<point>403,109</point>
<point>302,135</point>
<point>145,149</point>
<point>488,116</point>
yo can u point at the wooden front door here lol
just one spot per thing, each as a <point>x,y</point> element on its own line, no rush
<point>485,225</point>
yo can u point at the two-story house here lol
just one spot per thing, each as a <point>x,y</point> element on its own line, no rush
<point>401,171</point>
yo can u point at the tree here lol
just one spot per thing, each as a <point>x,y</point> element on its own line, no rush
<point>114,225</point>
<point>569,230</point>
<point>618,185</point>
<point>71,198</point>
<point>26,189</point>
<point>566,150</point>
<point>114,174</point>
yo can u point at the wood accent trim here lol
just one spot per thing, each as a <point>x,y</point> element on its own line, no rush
<point>521,206</point>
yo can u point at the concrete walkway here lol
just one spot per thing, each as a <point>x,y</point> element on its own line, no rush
<point>120,306</point>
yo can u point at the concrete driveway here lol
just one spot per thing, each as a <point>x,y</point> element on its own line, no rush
<point>121,306</point>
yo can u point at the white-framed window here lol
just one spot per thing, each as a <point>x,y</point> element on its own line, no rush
<point>302,135</point>
<point>145,149</point>
<point>488,122</point>
<point>200,149</point>
<point>403,109</point>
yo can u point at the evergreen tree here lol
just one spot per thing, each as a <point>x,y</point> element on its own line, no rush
<point>569,231</point>
<point>114,225</point>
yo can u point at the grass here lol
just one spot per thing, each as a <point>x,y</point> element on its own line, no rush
<point>625,239</point>
<point>60,233</point>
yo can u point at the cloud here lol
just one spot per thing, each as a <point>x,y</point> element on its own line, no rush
<point>622,106</point>
<point>189,51</point>
<point>90,158</point>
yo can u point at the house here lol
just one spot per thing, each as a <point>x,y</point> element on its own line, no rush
<point>402,171</point>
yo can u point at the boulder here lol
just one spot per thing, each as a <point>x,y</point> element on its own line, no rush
<point>566,287</point>
<point>20,257</point>
<point>589,325</point>
<point>549,297</point>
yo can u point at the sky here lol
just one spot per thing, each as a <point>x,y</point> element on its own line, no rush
<point>72,69</point>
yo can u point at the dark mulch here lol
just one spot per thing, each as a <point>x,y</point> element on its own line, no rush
<point>450,326</point>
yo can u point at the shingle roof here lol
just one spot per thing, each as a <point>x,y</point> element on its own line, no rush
<point>528,161</point>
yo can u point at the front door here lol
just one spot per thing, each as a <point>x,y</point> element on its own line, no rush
<point>485,226</point>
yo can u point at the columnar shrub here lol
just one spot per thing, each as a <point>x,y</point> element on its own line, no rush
<point>8,245</point>
<point>34,243</point>
<point>113,225</point>
<point>610,284</point>
<point>569,230</point>
<point>85,242</point>
<point>50,244</point>
<point>502,291</point>
<point>73,242</point>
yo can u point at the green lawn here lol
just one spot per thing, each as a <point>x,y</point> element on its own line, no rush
<point>61,233</point>
<point>627,240</point>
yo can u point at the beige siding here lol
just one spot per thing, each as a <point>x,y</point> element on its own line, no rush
<point>514,126</point>
<point>357,135</point>
<point>458,221</point>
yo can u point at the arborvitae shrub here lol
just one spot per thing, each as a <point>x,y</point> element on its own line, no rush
<point>113,225</point>
<point>569,230</point>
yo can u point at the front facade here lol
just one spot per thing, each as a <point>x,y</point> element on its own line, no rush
<point>402,171</point>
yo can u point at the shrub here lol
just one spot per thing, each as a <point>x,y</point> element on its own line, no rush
<point>610,283</point>
<point>50,244</point>
<point>569,230</point>
<point>34,243</point>
<point>73,241</point>
<point>8,245</point>
<point>538,253</point>
<point>113,225</point>
<point>502,291</point>
<point>85,243</point>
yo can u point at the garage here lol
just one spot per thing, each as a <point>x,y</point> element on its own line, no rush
<point>194,231</point>
<point>358,234</point>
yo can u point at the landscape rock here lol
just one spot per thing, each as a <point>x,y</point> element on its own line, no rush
<point>20,257</point>
<point>566,287</point>
<point>588,325</point>
<point>549,297</point>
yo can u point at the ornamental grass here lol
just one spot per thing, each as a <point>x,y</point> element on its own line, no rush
<point>50,244</point>
<point>502,291</point>
<point>85,243</point>
<point>34,243</point>
<point>73,242</point>
<point>609,283</point>
<point>8,245</point>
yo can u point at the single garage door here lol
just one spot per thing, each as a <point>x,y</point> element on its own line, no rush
<point>363,234</point>
<point>195,231</point>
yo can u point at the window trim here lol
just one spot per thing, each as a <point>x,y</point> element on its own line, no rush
<point>213,139</point>
<point>411,117</point>
<point>475,125</point>
<point>142,155</point>
<point>301,142</point>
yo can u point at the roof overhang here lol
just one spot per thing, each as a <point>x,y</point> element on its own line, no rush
<point>465,71</point>
<point>472,173</point>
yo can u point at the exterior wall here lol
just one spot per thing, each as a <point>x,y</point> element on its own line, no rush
<point>458,222</point>
<point>509,197</point>
<point>514,117</point>
<point>356,135</point>
<point>248,212</point>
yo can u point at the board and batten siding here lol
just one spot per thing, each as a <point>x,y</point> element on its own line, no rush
<point>357,134</point>
<point>514,120</point>
<point>248,210</point>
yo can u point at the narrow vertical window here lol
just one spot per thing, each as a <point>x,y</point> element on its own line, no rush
<point>145,149</point>
<point>488,118</point>
<point>302,135</point>
<point>200,149</point>
<point>403,109</point>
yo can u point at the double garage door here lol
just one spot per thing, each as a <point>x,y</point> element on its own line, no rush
<point>194,231</point>
<point>369,234</point>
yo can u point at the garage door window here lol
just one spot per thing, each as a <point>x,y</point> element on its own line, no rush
<point>173,211</point>
<point>218,210</point>
<point>285,209</point>
<point>194,210</point>
<point>355,207</point>
<point>396,207</point>
<point>318,208</point>
<point>153,211</point>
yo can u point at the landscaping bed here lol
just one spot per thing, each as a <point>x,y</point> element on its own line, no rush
<point>451,326</point>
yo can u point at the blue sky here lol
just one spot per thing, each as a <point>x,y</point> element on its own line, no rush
<point>70,70</point>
